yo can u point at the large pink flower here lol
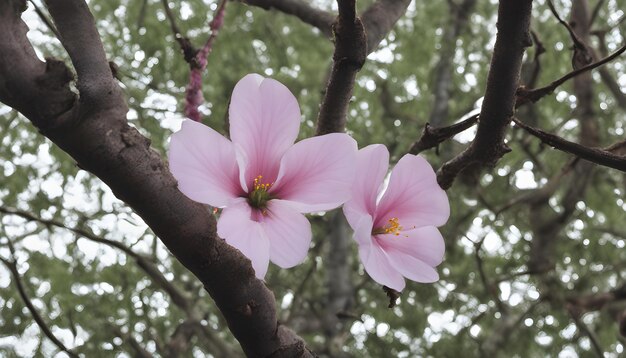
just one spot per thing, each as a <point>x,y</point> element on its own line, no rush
<point>264,181</point>
<point>397,235</point>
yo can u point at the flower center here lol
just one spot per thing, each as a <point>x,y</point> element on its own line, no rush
<point>392,227</point>
<point>259,196</point>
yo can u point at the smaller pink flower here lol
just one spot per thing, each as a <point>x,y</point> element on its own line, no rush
<point>397,235</point>
<point>264,181</point>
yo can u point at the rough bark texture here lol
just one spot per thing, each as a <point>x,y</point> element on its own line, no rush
<point>380,18</point>
<point>497,110</point>
<point>92,128</point>
<point>349,57</point>
<point>318,18</point>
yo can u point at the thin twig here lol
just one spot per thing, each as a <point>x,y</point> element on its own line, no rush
<point>578,43</point>
<point>193,96</point>
<point>595,155</point>
<point>590,334</point>
<point>189,51</point>
<point>45,19</point>
<point>178,298</point>
<point>533,95</point>
<point>431,136</point>
<point>12,266</point>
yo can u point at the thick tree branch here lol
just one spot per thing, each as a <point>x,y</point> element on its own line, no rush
<point>488,146</point>
<point>320,19</point>
<point>377,20</point>
<point>100,140</point>
<point>380,18</point>
<point>349,57</point>
<point>431,137</point>
<point>82,42</point>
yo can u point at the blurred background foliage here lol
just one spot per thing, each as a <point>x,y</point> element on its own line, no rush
<point>98,299</point>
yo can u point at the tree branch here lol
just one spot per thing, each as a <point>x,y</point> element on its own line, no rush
<point>189,51</point>
<point>178,298</point>
<point>488,146</point>
<point>45,19</point>
<point>320,19</point>
<point>12,266</point>
<point>82,42</point>
<point>193,95</point>
<point>349,57</point>
<point>432,137</point>
<point>377,20</point>
<point>595,155</point>
<point>380,18</point>
<point>533,95</point>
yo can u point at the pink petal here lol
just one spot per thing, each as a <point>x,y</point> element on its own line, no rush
<point>378,266</point>
<point>264,120</point>
<point>413,196</point>
<point>371,166</point>
<point>425,244</point>
<point>412,268</point>
<point>363,230</point>
<point>289,233</point>
<point>240,231</point>
<point>316,173</point>
<point>409,266</point>
<point>204,163</point>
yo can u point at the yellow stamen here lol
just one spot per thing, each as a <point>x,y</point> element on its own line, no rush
<point>259,195</point>
<point>392,227</point>
<point>258,185</point>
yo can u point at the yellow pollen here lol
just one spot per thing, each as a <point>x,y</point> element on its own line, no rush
<point>258,185</point>
<point>392,227</point>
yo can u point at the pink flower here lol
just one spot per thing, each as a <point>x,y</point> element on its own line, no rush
<point>397,234</point>
<point>264,181</point>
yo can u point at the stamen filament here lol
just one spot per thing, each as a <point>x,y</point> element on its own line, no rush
<point>259,196</point>
<point>392,227</point>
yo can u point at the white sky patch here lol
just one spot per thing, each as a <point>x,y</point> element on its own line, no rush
<point>492,242</point>
<point>525,178</point>
<point>410,85</point>
<point>384,54</point>
<point>468,135</point>
<point>286,301</point>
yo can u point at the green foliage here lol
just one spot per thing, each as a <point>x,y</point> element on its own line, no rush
<point>96,296</point>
